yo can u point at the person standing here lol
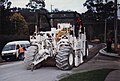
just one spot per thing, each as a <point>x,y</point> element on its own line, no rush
<point>109,45</point>
<point>21,53</point>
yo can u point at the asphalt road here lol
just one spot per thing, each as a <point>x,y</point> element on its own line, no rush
<point>15,71</point>
<point>99,62</point>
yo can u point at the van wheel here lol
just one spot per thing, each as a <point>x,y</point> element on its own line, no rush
<point>6,59</point>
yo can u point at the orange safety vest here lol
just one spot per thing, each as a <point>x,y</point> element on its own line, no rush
<point>21,50</point>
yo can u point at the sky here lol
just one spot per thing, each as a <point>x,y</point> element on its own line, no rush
<point>75,5</point>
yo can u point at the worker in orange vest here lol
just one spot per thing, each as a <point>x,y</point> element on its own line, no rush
<point>21,50</point>
<point>21,53</point>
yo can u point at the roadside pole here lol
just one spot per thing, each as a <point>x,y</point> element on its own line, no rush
<point>105,31</point>
<point>115,24</point>
<point>52,15</point>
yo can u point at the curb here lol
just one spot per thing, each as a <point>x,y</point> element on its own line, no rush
<point>103,52</point>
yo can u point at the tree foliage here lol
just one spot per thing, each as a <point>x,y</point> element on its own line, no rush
<point>5,4</point>
<point>101,9</point>
<point>35,4</point>
<point>4,15</point>
<point>94,18</point>
<point>21,27</point>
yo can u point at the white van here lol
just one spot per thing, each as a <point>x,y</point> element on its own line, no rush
<point>10,50</point>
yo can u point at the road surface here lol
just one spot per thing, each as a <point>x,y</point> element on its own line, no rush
<point>17,72</point>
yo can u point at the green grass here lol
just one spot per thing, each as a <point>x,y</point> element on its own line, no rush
<point>95,75</point>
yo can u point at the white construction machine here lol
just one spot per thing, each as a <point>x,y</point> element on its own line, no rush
<point>63,44</point>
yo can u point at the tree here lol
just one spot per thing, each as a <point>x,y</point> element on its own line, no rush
<point>4,14</point>
<point>5,4</point>
<point>9,5</point>
<point>56,10</point>
<point>102,10</point>
<point>36,4</point>
<point>21,27</point>
<point>98,12</point>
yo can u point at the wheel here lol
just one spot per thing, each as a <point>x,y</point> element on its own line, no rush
<point>78,58</point>
<point>6,59</point>
<point>65,58</point>
<point>29,56</point>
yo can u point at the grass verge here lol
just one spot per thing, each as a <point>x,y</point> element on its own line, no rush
<point>95,75</point>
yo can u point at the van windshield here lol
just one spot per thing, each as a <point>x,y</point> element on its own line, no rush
<point>9,47</point>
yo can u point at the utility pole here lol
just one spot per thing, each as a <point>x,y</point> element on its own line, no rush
<point>52,8</point>
<point>115,23</point>
<point>118,11</point>
<point>51,15</point>
<point>105,31</point>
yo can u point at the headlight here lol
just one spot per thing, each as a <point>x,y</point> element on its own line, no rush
<point>14,53</point>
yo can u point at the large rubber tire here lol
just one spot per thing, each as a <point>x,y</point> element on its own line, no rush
<point>65,58</point>
<point>29,56</point>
